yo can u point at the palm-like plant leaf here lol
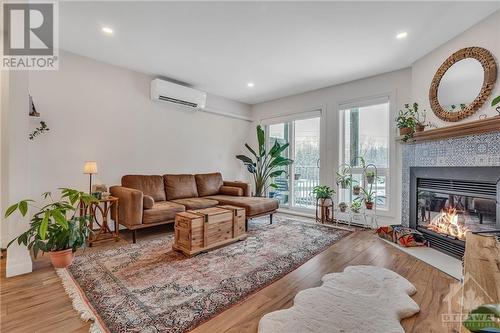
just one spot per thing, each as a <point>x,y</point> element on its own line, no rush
<point>251,150</point>
<point>268,165</point>
<point>244,159</point>
<point>261,139</point>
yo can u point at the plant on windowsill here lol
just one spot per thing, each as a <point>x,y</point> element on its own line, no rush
<point>406,121</point>
<point>266,165</point>
<point>55,228</point>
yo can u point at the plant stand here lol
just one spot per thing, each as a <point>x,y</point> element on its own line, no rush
<point>324,210</point>
<point>361,217</point>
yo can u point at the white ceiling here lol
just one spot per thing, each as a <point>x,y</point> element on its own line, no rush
<point>284,48</point>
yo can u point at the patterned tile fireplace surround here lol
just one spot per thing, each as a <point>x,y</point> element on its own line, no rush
<point>474,150</point>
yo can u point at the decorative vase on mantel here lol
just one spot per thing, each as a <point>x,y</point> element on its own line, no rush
<point>324,210</point>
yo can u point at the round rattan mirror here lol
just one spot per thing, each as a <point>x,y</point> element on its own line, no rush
<point>462,83</point>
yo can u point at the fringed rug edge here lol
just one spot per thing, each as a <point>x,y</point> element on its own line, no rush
<point>80,303</point>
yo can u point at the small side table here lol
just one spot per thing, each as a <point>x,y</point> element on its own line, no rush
<point>103,232</point>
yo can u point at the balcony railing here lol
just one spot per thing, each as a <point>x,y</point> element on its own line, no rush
<point>305,178</point>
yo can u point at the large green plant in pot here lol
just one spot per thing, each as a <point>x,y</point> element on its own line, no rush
<point>265,165</point>
<point>55,227</point>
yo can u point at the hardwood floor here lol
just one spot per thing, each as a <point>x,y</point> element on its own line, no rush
<point>37,302</point>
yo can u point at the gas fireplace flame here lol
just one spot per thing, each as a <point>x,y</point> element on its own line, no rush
<point>446,222</point>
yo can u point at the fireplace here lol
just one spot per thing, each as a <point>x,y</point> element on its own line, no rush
<point>446,202</point>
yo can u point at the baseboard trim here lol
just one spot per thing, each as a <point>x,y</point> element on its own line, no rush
<point>18,268</point>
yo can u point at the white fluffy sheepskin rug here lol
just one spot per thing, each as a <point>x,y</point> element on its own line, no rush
<point>360,299</point>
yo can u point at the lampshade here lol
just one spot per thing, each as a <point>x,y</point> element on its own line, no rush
<point>90,167</point>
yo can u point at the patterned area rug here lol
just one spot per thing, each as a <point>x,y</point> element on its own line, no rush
<point>147,287</point>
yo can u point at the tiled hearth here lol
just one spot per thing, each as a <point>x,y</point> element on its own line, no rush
<point>475,150</point>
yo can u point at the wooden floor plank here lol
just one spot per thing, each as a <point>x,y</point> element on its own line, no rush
<point>37,302</point>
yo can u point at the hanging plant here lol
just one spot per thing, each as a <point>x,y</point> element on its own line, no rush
<point>39,130</point>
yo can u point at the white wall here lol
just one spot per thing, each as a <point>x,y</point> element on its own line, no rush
<point>485,34</point>
<point>100,112</point>
<point>15,175</point>
<point>395,84</point>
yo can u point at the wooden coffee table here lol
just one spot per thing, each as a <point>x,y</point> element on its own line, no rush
<point>201,230</point>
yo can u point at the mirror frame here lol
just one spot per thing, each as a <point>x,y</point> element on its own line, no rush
<point>490,75</point>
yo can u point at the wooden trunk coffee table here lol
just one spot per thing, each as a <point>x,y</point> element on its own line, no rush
<point>205,229</point>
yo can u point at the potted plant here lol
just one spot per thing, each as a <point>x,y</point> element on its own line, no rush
<point>265,165</point>
<point>356,189</point>
<point>368,197</point>
<point>420,117</point>
<point>356,206</point>
<point>406,121</point>
<point>496,101</point>
<point>342,207</point>
<point>324,202</point>
<point>370,177</point>
<point>55,228</point>
<point>344,178</point>
<point>323,192</point>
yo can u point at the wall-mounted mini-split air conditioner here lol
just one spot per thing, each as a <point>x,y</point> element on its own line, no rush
<point>166,91</point>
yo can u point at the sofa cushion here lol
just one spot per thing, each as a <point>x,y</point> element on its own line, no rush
<point>148,185</point>
<point>231,190</point>
<point>196,203</point>
<point>147,202</point>
<point>180,186</point>
<point>208,183</point>
<point>161,211</point>
<point>253,205</point>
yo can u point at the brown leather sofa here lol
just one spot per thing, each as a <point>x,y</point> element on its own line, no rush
<point>146,201</point>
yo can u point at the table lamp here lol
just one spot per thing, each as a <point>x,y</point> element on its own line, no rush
<point>90,168</point>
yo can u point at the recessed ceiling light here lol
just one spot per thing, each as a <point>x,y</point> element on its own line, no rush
<point>107,30</point>
<point>250,84</point>
<point>402,35</point>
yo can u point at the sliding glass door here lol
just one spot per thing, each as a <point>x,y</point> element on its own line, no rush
<point>294,188</point>
<point>306,162</point>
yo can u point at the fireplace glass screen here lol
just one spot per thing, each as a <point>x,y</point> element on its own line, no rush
<point>453,214</point>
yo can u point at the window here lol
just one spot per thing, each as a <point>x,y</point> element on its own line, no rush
<point>294,188</point>
<point>280,133</point>
<point>366,135</point>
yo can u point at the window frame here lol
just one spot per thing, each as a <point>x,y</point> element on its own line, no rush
<point>389,171</point>
<point>316,112</point>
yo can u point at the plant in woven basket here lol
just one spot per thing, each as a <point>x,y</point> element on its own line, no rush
<point>55,227</point>
<point>265,165</point>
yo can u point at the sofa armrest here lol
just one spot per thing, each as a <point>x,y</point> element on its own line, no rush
<point>244,186</point>
<point>130,205</point>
